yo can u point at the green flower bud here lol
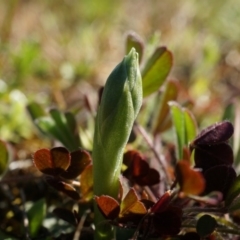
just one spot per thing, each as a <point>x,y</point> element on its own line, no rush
<point>120,104</point>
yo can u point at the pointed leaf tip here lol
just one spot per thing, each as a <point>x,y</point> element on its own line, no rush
<point>156,70</point>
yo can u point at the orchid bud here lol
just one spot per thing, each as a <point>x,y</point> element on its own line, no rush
<point>120,103</point>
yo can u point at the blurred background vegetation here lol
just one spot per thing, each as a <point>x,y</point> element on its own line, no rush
<point>59,54</point>
<point>52,52</point>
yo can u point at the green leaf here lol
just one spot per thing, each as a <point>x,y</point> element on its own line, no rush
<point>35,110</point>
<point>206,225</point>
<point>233,192</point>
<point>184,125</point>
<point>72,125</point>
<point>71,122</point>
<point>62,124</point>
<point>36,214</point>
<point>170,93</point>
<point>4,157</point>
<point>179,127</point>
<point>133,40</point>
<point>190,126</point>
<point>48,126</point>
<point>229,112</point>
<point>156,70</point>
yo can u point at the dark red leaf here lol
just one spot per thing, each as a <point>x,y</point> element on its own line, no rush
<point>206,156</point>
<point>43,161</point>
<point>63,187</point>
<point>219,178</point>
<point>168,222</point>
<point>136,165</point>
<point>190,181</point>
<point>162,204</point>
<point>79,160</point>
<point>52,162</point>
<point>152,178</point>
<point>60,158</point>
<point>138,170</point>
<point>214,134</point>
<point>108,206</point>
